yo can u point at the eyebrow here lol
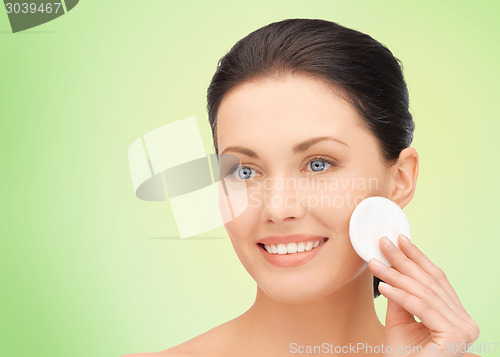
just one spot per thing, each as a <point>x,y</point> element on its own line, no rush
<point>303,146</point>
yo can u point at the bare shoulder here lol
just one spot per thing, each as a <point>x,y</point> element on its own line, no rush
<point>471,355</point>
<point>214,342</point>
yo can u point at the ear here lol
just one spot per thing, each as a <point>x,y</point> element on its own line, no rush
<point>404,174</point>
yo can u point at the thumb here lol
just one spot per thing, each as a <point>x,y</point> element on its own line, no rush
<point>396,315</point>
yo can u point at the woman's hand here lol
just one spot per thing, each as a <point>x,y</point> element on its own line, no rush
<point>416,287</point>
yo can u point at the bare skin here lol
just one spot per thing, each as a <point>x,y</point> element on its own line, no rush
<point>329,299</point>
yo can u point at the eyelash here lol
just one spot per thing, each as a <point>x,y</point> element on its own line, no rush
<point>316,158</point>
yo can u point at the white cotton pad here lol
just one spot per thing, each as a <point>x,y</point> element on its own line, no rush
<point>373,218</point>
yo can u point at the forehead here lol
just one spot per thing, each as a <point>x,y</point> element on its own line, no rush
<point>285,109</point>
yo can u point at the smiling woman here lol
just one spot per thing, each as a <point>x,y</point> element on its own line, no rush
<point>303,104</point>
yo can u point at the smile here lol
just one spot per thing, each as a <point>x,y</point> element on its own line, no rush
<point>293,247</point>
<point>291,254</point>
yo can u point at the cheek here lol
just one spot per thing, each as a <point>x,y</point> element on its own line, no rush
<point>336,196</point>
<point>243,233</point>
<point>349,189</point>
<point>232,198</point>
<point>240,221</point>
<point>341,198</point>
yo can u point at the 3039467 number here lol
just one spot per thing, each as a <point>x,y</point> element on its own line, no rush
<point>32,8</point>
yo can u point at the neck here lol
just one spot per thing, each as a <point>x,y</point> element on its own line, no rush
<point>345,316</point>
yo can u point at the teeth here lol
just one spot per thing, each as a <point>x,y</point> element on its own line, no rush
<point>293,247</point>
<point>281,249</point>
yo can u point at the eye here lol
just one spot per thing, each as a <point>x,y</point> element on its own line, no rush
<point>242,172</point>
<point>319,163</point>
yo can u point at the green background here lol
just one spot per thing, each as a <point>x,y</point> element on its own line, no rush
<point>85,267</point>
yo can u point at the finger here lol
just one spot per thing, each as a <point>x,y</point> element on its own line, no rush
<point>397,315</point>
<point>430,317</point>
<point>405,265</point>
<point>415,288</point>
<point>442,287</point>
<point>435,277</point>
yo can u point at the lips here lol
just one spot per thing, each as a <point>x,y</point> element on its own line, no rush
<point>291,248</point>
<point>295,238</point>
<point>291,251</point>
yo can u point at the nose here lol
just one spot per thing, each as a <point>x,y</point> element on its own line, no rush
<point>281,202</point>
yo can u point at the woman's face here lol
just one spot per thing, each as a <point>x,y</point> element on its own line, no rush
<point>295,186</point>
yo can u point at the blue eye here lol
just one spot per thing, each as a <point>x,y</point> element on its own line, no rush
<point>245,170</point>
<point>318,164</point>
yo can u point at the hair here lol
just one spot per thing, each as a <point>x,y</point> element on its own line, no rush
<point>362,69</point>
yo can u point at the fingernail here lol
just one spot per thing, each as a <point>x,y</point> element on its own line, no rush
<point>386,285</point>
<point>389,243</point>
<point>378,263</point>
<point>405,239</point>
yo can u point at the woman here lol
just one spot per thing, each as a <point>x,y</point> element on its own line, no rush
<point>318,116</point>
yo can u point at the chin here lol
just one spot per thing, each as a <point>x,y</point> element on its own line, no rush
<point>307,288</point>
<point>297,291</point>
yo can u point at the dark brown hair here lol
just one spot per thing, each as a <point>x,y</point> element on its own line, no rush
<point>361,68</point>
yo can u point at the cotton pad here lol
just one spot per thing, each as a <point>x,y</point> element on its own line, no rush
<point>373,218</point>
